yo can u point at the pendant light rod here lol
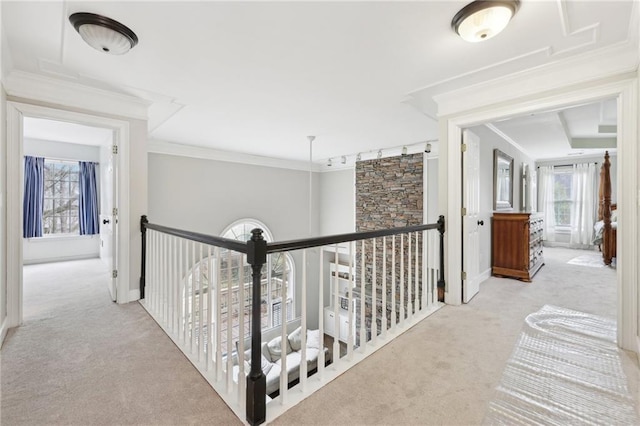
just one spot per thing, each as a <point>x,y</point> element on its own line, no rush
<point>311,139</point>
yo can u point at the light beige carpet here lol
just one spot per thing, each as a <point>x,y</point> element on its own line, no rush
<point>86,360</point>
<point>80,359</point>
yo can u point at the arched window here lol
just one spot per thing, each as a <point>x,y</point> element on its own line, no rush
<point>229,269</point>
<point>279,269</point>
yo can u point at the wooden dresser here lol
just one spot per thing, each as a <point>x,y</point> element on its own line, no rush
<point>517,245</point>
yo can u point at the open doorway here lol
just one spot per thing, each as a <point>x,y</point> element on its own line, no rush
<point>17,113</point>
<point>68,220</point>
<point>542,170</point>
<point>624,91</point>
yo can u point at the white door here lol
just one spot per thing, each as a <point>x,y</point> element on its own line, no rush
<point>471,220</point>
<point>108,218</point>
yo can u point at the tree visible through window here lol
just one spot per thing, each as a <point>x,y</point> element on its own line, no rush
<point>60,213</point>
<point>562,193</point>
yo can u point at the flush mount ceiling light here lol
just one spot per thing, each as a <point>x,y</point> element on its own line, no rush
<point>483,19</point>
<point>104,34</point>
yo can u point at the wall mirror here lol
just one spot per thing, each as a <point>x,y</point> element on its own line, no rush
<point>502,181</point>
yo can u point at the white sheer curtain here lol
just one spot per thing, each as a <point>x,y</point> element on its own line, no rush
<point>546,202</point>
<point>583,208</point>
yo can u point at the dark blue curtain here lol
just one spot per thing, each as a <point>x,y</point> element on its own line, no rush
<point>33,202</point>
<point>88,199</point>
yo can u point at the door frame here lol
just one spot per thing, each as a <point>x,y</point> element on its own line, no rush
<point>623,87</point>
<point>16,111</point>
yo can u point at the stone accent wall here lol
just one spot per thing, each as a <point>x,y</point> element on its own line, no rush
<point>389,194</point>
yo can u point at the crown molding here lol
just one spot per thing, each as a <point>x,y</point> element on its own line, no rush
<point>580,69</point>
<point>26,85</point>
<point>507,139</point>
<point>170,148</point>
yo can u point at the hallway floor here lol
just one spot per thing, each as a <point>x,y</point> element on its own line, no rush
<point>86,360</point>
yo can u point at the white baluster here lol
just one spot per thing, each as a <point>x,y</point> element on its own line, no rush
<point>409,278</point>
<point>416,278</point>
<point>393,283</point>
<point>218,309</point>
<point>423,270</point>
<point>176,287</point>
<point>185,293</point>
<point>201,305</point>
<point>402,312</point>
<point>192,294</point>
<point>352,319</point>
<point>363,299</point>
<point>229,322</point>
<point>151,266</point>
<point>335,283</point>
<point>303,324</point>
<point>374,294</point>
<point>284,377</point>
<point>181,294</point>
<point>209,299</point>
<point>383,325</point>
<point>242,382</point>
<point>321,360</point>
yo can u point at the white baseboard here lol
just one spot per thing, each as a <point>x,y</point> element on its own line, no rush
<point>485,275</point>
<point>59,259</point>
<point>134,295</point>
<point>3,331</point>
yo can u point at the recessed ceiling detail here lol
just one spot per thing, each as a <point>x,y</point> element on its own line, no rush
<point>259,76</point>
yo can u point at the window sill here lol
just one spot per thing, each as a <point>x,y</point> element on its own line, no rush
<point>562,230</point>
<point>61,237</point>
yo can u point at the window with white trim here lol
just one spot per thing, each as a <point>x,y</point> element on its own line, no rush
<point>233,273</point>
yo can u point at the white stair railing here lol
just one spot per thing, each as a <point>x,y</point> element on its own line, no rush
<point>379,283</point>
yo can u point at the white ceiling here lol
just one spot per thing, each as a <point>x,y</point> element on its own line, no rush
<point>38,128</point>
<point>258,77</point>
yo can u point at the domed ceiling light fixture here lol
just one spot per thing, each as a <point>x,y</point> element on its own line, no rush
<point>482,19</point>
<point>104,34</point>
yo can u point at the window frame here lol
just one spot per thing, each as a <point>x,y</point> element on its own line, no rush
<point>53,199</point>
<point>568,171</point>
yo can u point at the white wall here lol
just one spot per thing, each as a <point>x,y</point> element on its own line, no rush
<point>488,142</point>
<point>206,196</point>
<point>337,202</point>
<point>138,198</point>
<point>61,150</point>
<point>3,216</point>
<point>60,248</point>
<point>431,166</point>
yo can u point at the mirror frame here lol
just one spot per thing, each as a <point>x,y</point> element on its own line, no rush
<point>502,205</point>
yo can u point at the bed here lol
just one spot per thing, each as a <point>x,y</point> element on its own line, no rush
<point>607,224</point>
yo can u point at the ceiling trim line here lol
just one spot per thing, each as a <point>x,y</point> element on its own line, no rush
<point>609,62</point>
<point>204,153</point>
<point>507,139</point>
<point>26,85</point>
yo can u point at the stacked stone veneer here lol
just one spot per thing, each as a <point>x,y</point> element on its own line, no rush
<point>389,194</point>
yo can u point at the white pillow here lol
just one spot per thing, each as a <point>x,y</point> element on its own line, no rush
<point>275,348</point>
<point>265,365</point>
<point>295,339</point>
<point>313,339</point>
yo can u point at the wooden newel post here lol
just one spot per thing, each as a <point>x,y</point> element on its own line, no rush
<point>441,283</point>
<point>256,380</point>
<point>143,266</point>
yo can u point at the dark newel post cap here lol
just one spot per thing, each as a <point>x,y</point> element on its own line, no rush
<point>143,221</point>
<point>256,248</point>
<point>441,224</point>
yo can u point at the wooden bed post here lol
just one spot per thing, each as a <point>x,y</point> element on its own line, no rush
<point>605,207</point>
